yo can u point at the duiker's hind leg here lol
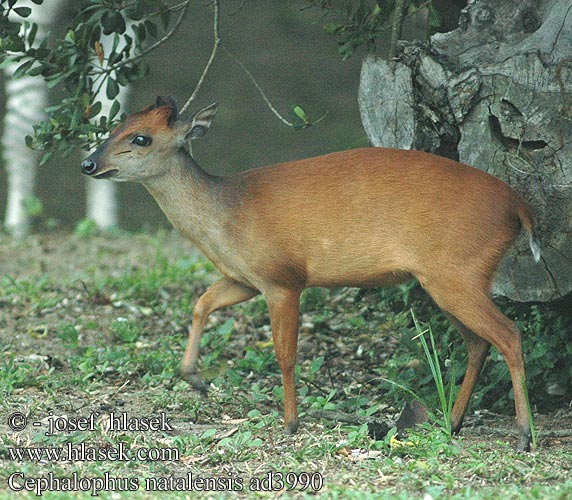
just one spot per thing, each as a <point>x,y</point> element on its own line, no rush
<point>471,306</point>
<point>478,349</point>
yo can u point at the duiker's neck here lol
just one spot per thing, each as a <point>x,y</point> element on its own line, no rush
<point>190,198</point>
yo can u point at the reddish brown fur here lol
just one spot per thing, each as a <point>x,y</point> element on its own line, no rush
<point>409,208</point>
<point>364,217</point>
<point>149,120</point>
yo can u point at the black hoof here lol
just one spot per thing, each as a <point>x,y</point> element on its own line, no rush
<point>291,428</point>
<point>195,382</point>
<point>524,443</point>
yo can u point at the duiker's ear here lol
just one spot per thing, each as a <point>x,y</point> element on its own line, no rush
<point>201,121</point>
<point>169,101</point>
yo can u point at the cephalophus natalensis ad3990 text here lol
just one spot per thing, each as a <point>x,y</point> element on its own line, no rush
<point>360,218</point>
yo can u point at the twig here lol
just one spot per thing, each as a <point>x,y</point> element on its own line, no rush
<point>217,43</point>
<point>166,36</point>
<point>315,385</point>
<point>404,17</point>
<point>158,43</point>
<point>255,83</point>
<point>388,25</point>
<point>398,12</point>
<point>492,431</point>
<point>339,416</point>
<point>211,58</point>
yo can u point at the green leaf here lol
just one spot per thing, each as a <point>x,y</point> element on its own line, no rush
<point>70,37</point>
<point>53,80</point>
<point>33,33</point>
<point>22,69</point>
<point>113,22</point>
<point>333,28</point>
<point>137,12</point>
<point>113,58</point>
<point>112,88</point>
<point>33,206</point>
<point>300,113</point>
<point>10,29</point>
<point>23,11</point>
<point>435,20</point>
<point>116,40</point>
<point>315,365</point>
<point>346,50</point>
<point>95,109</point>
<point>226,328</point>
<point>46,158</point>
<point>43,45</point>
<point>140,32</point>
<point>151,28</point>
<point>36,71</point>
<point>9,60</point>
<point>128,41</point>
<point>113,110</point>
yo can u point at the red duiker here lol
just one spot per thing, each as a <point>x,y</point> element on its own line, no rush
<point>365,218</point>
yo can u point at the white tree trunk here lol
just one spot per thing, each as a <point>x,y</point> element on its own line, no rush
<point>101,197</point>
<point>25,103</point>
<point>26,99</point>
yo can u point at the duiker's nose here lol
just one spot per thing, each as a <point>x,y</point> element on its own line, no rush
<point>89,167</point>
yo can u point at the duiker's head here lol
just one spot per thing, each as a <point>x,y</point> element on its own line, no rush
<point>137,149</point>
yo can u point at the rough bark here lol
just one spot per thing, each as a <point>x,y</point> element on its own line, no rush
<point>495,93</point>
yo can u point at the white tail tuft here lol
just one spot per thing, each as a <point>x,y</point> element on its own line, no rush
<point>534,247</point>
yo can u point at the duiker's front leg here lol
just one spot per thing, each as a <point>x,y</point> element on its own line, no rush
<point>225,292</point>
<point>283,306</point>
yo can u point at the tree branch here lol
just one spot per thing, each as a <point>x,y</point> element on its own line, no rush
<point>398,12</point>
<point>158,43</point>
<point>255,83</point>
<point>217,43</point>
<point>211,58</point>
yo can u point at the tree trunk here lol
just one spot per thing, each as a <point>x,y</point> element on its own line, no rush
<point>495,93</point>
<point>26,99</point>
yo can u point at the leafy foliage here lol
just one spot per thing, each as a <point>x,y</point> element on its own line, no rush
<point>102,50</point>
<point>363,22</point>
<point>545,330</point>
<point>78,64</point>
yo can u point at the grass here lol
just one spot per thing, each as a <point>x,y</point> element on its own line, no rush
<point>100,327</point>
<point>432,356</point>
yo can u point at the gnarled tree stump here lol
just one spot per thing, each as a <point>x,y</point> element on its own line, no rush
<point>495,93</point>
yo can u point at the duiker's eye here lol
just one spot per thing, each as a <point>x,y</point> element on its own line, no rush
<point>141,140</point>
